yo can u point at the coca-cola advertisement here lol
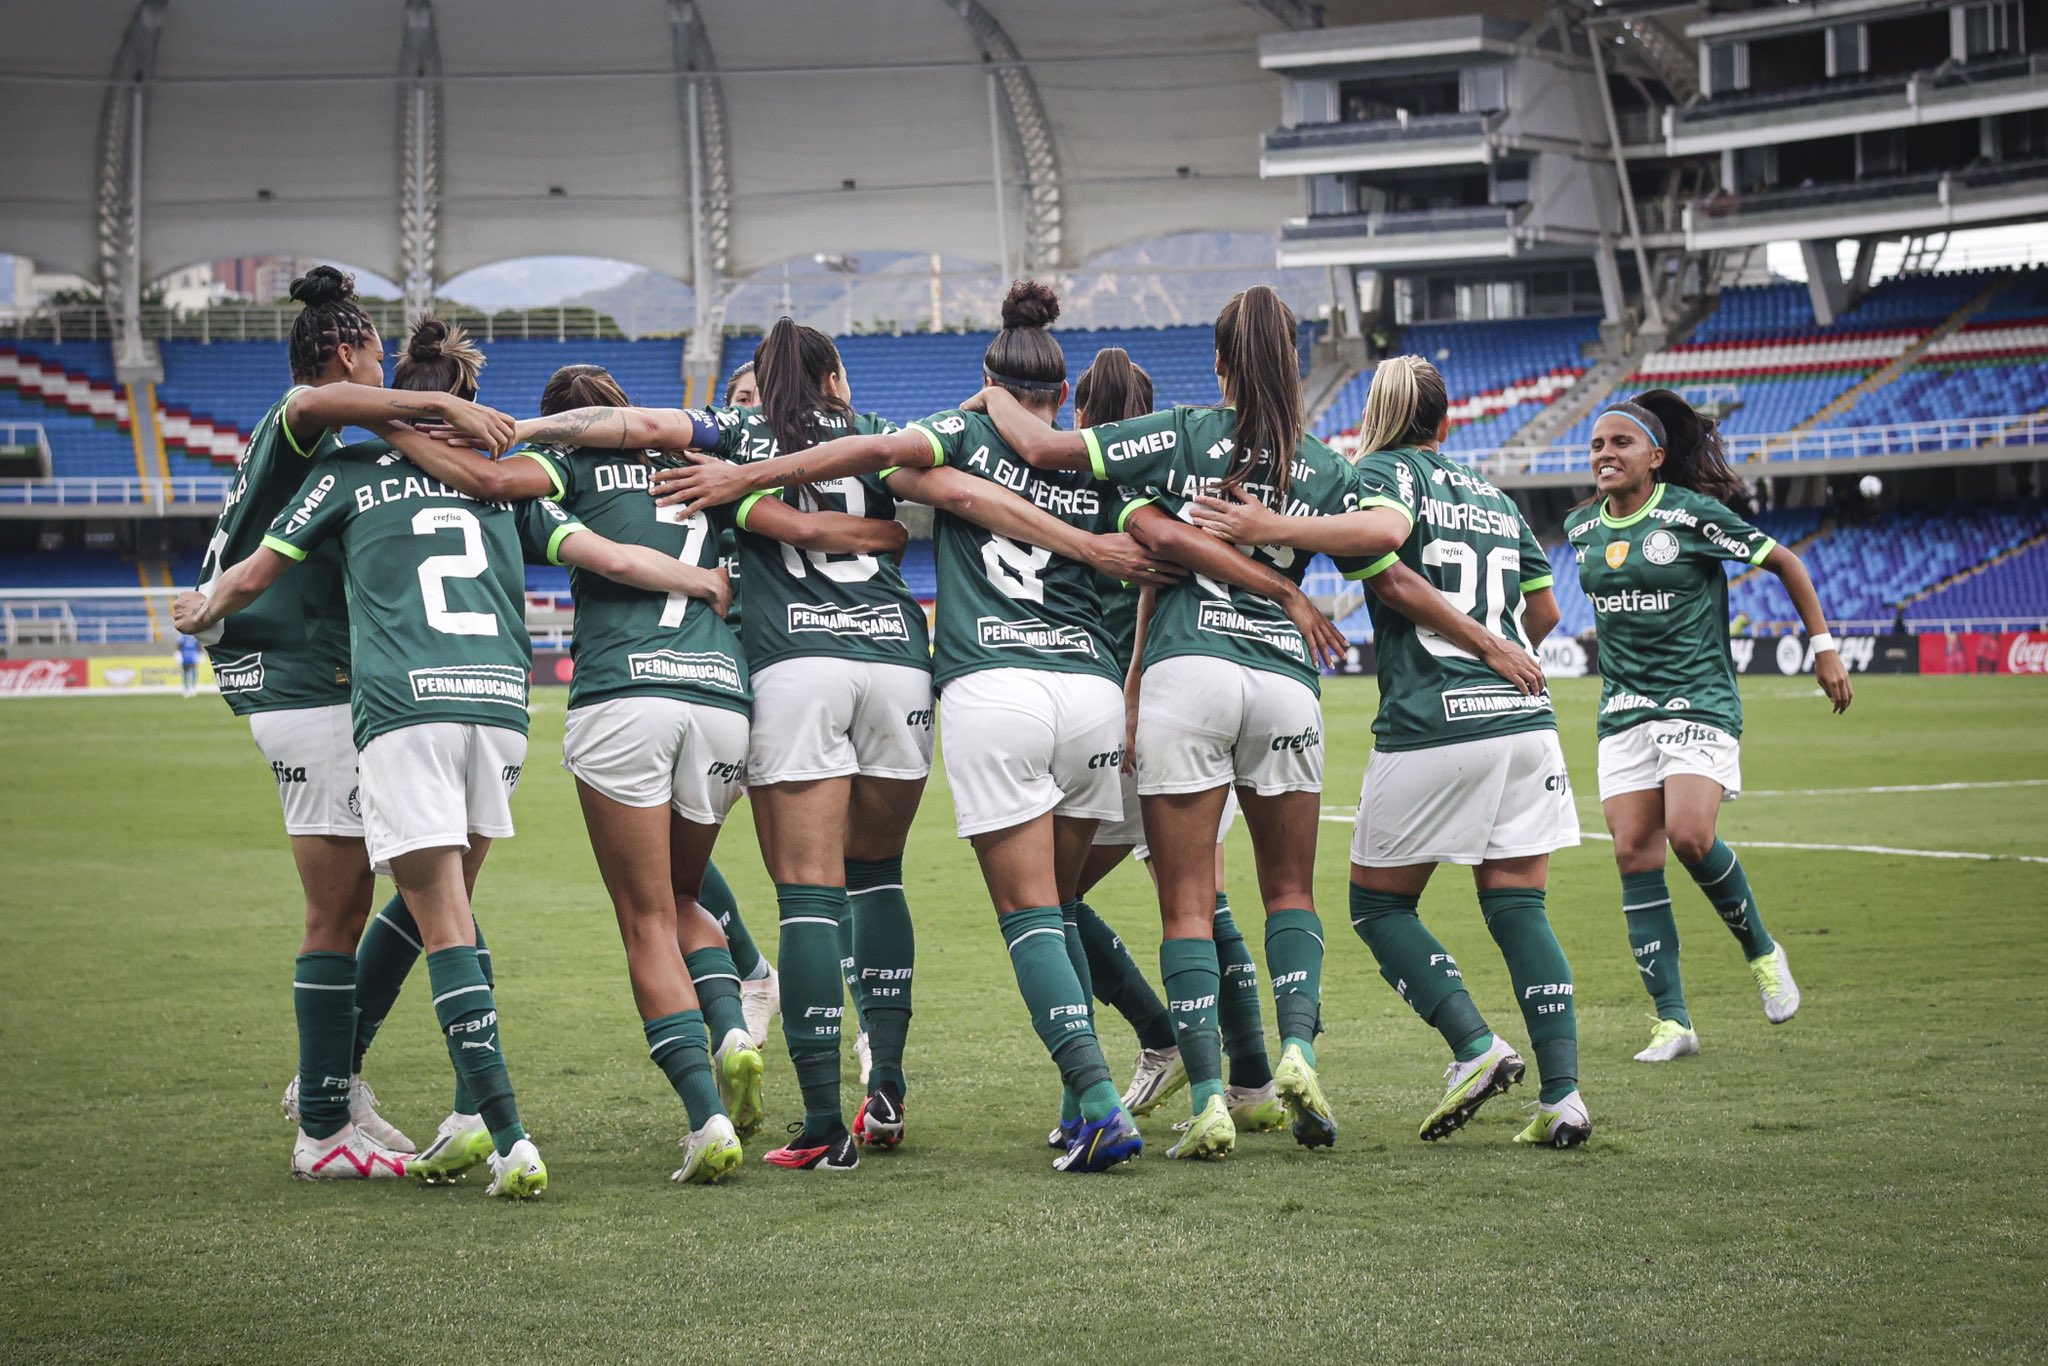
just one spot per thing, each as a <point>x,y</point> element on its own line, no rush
<point>1984,652</point>
<point>22,676</point>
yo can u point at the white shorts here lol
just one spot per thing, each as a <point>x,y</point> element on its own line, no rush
<point>312,754</point>
<point>1022,742</point>
<point>432,786</point>
<point>1507,797</point>
<point>1206,723</point>
<point>1643,756</point>
<point>660,751</point>
<point>1129,829</point>
<point>817,717</point>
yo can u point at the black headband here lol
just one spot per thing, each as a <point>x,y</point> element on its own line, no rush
<point>1045,386</point>
<point>1652,425</point>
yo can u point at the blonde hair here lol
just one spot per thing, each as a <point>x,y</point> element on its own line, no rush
<point>1405,406</point>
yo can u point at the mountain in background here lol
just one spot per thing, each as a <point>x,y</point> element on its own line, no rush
<point>1168,282</point>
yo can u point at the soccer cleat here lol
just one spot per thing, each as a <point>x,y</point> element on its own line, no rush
<point>460,1143</point>
<point>1059,1138</point>
<point>760,1003</point>
<point>710,1154</point>
<point>835,1154</point>
<point>1308,1111</point>
<point>738,1068</point>
<point>1101,1145</point>
<point>1562,1125</point>
<point>1256,1108</point>
<point>866,1054</point>
<point>346,1155</point>
<point>519,1174</point>
<point>1669,1040</point>
<point>362,1112</point>
<point>1774,983</point>
<point>879,1121</point>
<point>1469,1085</point>
<point>1157,1074</point>
<point>1209,1134</point>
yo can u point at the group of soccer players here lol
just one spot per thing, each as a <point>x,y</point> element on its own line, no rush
<point>1121,649</point>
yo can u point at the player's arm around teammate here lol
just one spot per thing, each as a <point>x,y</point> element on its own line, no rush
<point>1651,549</point>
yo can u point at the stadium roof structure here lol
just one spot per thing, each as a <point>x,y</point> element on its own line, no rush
<point>421,138</point>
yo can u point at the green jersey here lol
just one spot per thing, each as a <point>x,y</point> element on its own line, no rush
<point>1660,600</point>
<point>811,602</point>
<point>289,649</point>
<point>1119,618</point>
<point>1173,457</point>
<point>1474,546</point>
<point>630,642</point>
<point>436,588</point>
<point>1004,604</point>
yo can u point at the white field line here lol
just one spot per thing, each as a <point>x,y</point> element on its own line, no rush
<point>1905,787</point>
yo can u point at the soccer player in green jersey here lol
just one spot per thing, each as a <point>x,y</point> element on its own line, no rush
<point>1229,694</point>
<point>837,765</point>
<point>284,665</point>
<point>742,390</point>
<point>1466,767</point>
<point>657,741</point>
<point>1651,549</point>
<point>1111,389</point>
<point>438,667</point>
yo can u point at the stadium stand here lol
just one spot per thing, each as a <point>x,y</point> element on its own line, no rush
<point>2014,586</point>
<point>1499,374</point>
<point>69,388</point>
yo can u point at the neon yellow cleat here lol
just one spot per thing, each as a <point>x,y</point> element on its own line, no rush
<point>1208,1135</point>
<point>738,1069</point>
<point>519,1174</point>
<point>1470,1085</point>
<point>459,1144</point>
<point>1308,1111</point>
<point>1775,985</point>
<point>1255,1108</point>
<point>1562,1125</point>
<point>710,1154</point>
<point>1669,1040</point>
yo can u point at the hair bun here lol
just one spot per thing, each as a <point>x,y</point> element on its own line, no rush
<point>323,285</point>
<point>426,339</point>
<point>1030,304</point>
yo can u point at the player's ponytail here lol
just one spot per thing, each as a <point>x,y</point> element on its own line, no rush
<point>1258,362</point>
<point>581,386</point>
<point>791,365</point>
<point>1694,456</point>
<point>330,320</point>
<point>438,358</point>
<point>1404,407</point>
<point>1112,388</point>
<point>1025,359</point>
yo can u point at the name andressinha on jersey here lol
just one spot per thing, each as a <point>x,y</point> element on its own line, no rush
<point>1220,618</point>
<point>706,667</point>
<point>881,622</point>
<point>1483,701</point>
<point>1449,516</point>
<point>500,684</point>
<point>1033,634</point>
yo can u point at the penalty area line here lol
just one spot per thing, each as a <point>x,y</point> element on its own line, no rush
<point>1967,855</point>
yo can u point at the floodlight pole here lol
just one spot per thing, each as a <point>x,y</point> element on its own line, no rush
<point>995,140</point>
<point>133,353</point>
<point>703,358</point>
<point>1628,196</point>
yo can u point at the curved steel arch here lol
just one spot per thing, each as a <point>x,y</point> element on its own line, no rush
<point>419,158</point>
<point>1031,139</point>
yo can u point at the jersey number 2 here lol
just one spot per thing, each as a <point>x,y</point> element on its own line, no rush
<point>436,570</point>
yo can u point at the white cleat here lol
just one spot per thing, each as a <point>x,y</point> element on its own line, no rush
<point>346,1155</point>
<point>1157,1074</point>
<point>866,1056</point>
<point>1669,1040</point>
<point>1775,985</point>
<point>710,1154</point>
<point>362,1112</point>
<point>459,1144</point>
<point>519,1174</point>
<point>1562,1125</point>
<point>760,1002</point>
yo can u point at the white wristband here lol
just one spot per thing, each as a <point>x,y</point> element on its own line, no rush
<point>1821,641</point>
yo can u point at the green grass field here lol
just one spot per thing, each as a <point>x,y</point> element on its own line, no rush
<point>1864,1183</point>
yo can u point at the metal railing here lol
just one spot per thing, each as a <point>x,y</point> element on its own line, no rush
<point>1826,443</point>
<point>189,491</point>
<point>273,322</point>
<point>27,436</point>
<point>1403,127</point>
<point>1398,222</point>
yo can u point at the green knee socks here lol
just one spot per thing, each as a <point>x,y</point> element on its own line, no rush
<point>716,897</point>
<point>717,982</point>
<point>813,999</point>
<point>680,1047</point>
<point>1037,940</point>
<point>1543,983</point>
<point>1118,983</point>
<point>1237,1004</point>
<point>1294,955</point>
<point>1417,966</point>
<point>1721,877</point>
<point>323,998</point>
<point>1653,936</point>
<point>469,1019</point>
<point>1193,977</point>
<point>884,956</point>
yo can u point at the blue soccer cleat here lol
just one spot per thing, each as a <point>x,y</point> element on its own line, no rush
<point>1101,1145</point>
